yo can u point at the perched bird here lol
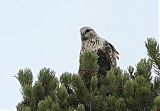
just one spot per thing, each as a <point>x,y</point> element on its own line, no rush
<point>107,54</point>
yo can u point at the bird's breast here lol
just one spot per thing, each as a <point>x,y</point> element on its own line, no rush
<point>92,45</point>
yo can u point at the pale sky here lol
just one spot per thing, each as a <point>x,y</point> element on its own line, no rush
<point>45,33</point>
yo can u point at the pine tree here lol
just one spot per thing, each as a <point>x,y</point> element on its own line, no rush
<point>134,89</point>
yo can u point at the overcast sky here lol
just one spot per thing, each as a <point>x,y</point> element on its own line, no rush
<point>45,33</point>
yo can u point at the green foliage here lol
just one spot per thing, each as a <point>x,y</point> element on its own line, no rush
<point>25,77</point>
<point>94,83</point>
<point>48,80</point>
<point>156,85</point>
<point>46,104</point>
<point>80,107</point>
<point>26,109</point>
<point>80,89</point>
<point>62,95</point>
<point>89,63</point>
<point>66,79</point>
<point>88,66</point>
<point>153,53</point>
<point>143,94</point>
<point>118,90</point>
<point>144,68</point>
<point>157,103</point>
<point>56,107</point>
<point>38,91</point>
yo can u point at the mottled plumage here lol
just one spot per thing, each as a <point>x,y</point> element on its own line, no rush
<point>106,51</point>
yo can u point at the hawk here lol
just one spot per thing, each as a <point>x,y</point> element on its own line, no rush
<point>107,54</point>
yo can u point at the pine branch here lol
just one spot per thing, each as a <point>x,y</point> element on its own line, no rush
<point>153,53</point>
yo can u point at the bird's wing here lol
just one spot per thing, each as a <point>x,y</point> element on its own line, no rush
<point>113,54</point>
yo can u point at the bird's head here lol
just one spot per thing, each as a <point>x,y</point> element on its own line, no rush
<point>87,33</point>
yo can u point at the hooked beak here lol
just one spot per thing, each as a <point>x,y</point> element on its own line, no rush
<point>82,34</point>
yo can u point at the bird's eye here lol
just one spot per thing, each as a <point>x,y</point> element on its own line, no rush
<point>88,30</point>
